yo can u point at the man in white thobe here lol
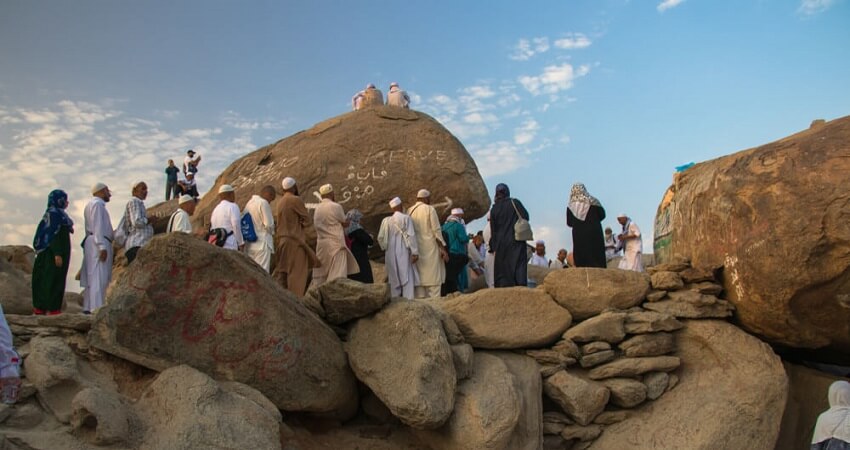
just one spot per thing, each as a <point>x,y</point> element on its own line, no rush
<point>432,248</point>
<point>97,249</point>
<point>397,97</point>
<point>490,257</point>
<point>539,256</point>
<point>179,222</point>
<point>561,261</point>
<point>398,238</point>
<point>632,245</point>
<point>259,207</point>
<point>226,215</point>
<point>336,259</point>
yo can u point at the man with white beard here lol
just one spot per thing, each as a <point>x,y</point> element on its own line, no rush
<point>97,249</point>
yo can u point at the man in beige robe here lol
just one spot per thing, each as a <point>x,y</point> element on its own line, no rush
<point>432,248</point>
<point>295,257</point>
<point>336,259</point>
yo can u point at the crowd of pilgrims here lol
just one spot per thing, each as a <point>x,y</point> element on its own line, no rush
<point>423,257</point>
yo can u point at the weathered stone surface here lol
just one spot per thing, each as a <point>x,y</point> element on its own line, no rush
<point>625,392</point>
<point>606,327</point>
<point>52,368</point>
<point>672,264</point>
<point>188,302</point>
<point>453,334</point>
<point>807,399</point>
<point>586,292</point>
<point>528,433</point>
<point>728,378</point>
<point>781,205</point>
<point>554,442</point>
<point>72,303</point>
<point>654,344</point>
<point>612,417</point>
<point>655,296</point>
<point>595,359</point>
<point>595,347</point>
<point>487,410</point>
<point>183,409</point>
<point>697,275</point>
<point>639,322</point>
<point>547,356</point>
<point>508,318</point>
<point>581,399</point>
<point>21,257</point>
<point>568,348</point>
<point>706,287</point>
<point>369,156</point>
<point>630,367</point>
<point>100,417</point>
<point>25,416</point>
<point>692,305</point>
<point>666,281</point>
<point>656,384</point>
<point>583,433</point>
<point>15,289</point>
<point>462,358</point>
<point>78,322</point>
<point>420,356</point>
<point>343,299</point>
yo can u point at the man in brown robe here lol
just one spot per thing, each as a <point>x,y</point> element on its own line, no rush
<point>295,257</point>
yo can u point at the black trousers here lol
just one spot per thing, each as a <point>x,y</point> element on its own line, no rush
<point>455,264</point>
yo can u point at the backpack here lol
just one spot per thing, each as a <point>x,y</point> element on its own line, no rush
<point>248,232</point>
<point>218,236</point>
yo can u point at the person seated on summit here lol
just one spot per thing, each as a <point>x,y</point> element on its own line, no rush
<point>397,97</point>
<point>367,97</point>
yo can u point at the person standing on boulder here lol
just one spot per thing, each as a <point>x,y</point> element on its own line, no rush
<point>171,180</point>
<point>190,162</point>
<point>611,244</point>
<point>226,215</point>
<point>360,243</point>
<point>397,97</point>
<point>52,244</point>
<point>632,244</point>
<point>139,230</point>
<point>97,249</point>
<point>398,238</point>
<point>335,257</point>
<point>294,255</point>
<point>832,429</point>
<point>585,215</point>
<point>432,248</point>
<point>259,207</point>
<point>510,265</point>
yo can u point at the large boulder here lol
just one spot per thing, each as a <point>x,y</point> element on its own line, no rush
<point>486,412</point>
<point>586,292</point>
<point>508,318</point>
<point>402,354</point>
<point>22,257</point>
<point>370,156</point>
<point>807,399</point>
<point>775,217</point>
<point>188,302</point>
<point>732,385</point>
<point>15,289</point>
<point>528,433</point>
<point>51,367</point>
<point>343,299</point>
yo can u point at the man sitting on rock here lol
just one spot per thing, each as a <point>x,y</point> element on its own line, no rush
<point>188,186</point>
<point>398,238</point>
<point>371,96</point>
<point>397,97</point>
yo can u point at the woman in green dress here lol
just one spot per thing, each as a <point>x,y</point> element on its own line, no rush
<point>52,244</point>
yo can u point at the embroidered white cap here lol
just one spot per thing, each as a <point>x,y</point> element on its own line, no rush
<point>540,242</point>
<point>185,198</point>
<point>326,189</point>
<point>98,187</point>
<point>623,215</point>
<point>395,202</point>
<point>288,183</point>
<point>423,193</point>
<point>457,211</point>
<point>225,188</point>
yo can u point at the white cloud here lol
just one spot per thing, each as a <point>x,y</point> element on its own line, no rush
<point>476,118</point>
<point>811,7</point>
<point>553,79</point>
<point>497,158</point>
<point>235,120</point>
<point>573,41</point>
<point>525,133</point>
<point>39,116</point>
<point>525,49</point>
<point>668,4</point>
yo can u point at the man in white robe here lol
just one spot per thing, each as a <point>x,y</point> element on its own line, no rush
<point>632,245</point>
<point>260,209</point>
<point>490,257</point>
<point>97,249</point>
<point>336,259</point>
<point>397,97</point>
<point>539,256</point>
<point>561,261</point>
<point>226,215</point>
<point>432,248</point>
<point>397,237</point>
<point>179,222</point>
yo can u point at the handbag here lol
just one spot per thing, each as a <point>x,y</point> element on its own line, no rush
<point>522,229</point>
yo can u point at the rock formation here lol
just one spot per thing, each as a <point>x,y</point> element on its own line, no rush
<point>776,218</point>
<point>370,156</point>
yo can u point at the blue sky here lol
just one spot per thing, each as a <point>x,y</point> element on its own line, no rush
<point>614,94</point>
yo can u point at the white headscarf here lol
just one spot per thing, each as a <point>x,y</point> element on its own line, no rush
<point>581,201</point>
<point>835,421</point>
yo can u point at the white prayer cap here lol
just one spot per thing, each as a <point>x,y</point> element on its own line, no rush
<point>423,193</point>
<point>97,187</point>
<point>185,198</point>
<point>288,183</point>
<point>393,84</point>
<point>395,202</point>
<point>623,215</point>
<point>190,174</point>
<point>370,86</point>
<point>225,188</point>
<point>457,211</point>
<point>540,242</point>
<point>326,189</point>
<point>136,183</point>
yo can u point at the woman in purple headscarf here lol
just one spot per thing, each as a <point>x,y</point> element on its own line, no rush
<point>510,267</point>
<point>52,244</point>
